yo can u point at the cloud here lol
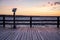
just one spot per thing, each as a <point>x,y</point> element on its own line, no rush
<point>55,3</point>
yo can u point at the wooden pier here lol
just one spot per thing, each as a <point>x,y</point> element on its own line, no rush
<point>30,34</point>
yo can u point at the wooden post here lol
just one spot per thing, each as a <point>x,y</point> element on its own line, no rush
<point>30,22</point>
<point>3,21</point>
<point>57,22</point>
<point>14,20</point>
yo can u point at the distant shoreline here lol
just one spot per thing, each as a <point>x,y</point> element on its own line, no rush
<point>30,15</point>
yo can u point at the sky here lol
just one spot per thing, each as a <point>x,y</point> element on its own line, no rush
<point>30,7</point>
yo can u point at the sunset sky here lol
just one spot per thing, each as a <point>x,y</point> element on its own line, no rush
<point>31,7</point>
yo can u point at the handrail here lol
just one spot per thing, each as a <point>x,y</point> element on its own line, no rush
<point>30,20</point>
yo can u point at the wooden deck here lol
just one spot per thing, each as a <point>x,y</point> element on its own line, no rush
<point>30,34</point>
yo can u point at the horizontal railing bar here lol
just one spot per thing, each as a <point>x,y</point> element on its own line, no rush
<point>34,23</point>
<point>18,23</point>
<point>44,23</point>
<point>17,20</point>
<point>1,23</point>
<point>29,20</point>
<point>44,20</point>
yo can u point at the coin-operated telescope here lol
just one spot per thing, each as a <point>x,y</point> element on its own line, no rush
<point>14,10</point>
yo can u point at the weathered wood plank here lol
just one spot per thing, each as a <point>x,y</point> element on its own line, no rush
<point>30,34</point>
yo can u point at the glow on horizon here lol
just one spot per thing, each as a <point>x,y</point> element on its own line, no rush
<point>33,10</point>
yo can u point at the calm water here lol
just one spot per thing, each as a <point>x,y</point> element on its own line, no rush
<point>28,18</point>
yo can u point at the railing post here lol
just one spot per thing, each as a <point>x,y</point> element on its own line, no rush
<point>30,21</point>
<point>14,20</point>
<point>57,22</point>
<point>3,21</point>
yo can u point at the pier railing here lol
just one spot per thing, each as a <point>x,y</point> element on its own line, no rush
<point>26,21</point>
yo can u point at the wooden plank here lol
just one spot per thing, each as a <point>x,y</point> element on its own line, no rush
<point>13,36</point>
<point>53,36</point>
<point>19,36</point>
<point>39,37</point>
<point>35,37</point>
<point>3,37</point>
<point>23,36</point>
<point>29,34</point>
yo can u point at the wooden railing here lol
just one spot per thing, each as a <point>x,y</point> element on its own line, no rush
<point>30,20</point>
